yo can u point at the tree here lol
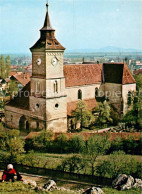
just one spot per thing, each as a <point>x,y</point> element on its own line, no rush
<point>77,142</point>
<point>13,144</point>
<point>8,66</point>
<point>43,140</point>
<point>96,145</point>
<point>3,67</point>
<point>118,163</point>
<point>104,111</point>
<point>74,164</point>
<point>13,88</point>
<point>61,143</point>
<point>82,114</point>
<point>138,79</point>
<point>134,116</point>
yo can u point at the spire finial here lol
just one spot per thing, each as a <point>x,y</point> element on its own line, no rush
<point>47,4</point>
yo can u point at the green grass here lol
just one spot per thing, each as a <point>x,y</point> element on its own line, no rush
<point>114,191</point>
<point>18,187</point>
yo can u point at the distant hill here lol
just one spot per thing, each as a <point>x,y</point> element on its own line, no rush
<point>105,49</point>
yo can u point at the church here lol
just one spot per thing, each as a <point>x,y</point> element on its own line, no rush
<point>48,100</point>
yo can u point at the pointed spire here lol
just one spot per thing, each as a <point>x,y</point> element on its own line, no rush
<point>47,24</point>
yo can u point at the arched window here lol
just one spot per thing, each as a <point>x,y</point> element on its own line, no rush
<point>80,94</point>
<point>27,126</point>
<point>56,87</point>
<point>96,92</point>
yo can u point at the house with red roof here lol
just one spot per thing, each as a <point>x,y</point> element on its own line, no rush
<point>48,99</point>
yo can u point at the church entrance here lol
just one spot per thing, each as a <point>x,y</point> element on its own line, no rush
<point>27,126</point>
<point>22,123</point>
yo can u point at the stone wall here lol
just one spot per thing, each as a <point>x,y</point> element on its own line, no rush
<point>88,91</point>
<point>125,89</point>
<point>14,115</point>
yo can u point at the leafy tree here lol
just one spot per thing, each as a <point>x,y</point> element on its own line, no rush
<point>138,79</point>
<point>118,163</point>
<point>61,143</point>
<point>134,116</point>
<point>104,111</point>
<point>31,160</point>
<point>3,67</point>
<point>13,88</point>
<point>8,66</point>
<point>74,164</point>
<point>117,144</point>
<point>13,144</point>
<point>43,140</point>
<point>96,145</point>
<point>77,142</point>
<point>82,114</point>
<point>115,116</point>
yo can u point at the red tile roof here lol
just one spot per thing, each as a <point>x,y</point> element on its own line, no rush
<point>22,78</point>
<point>137,71</point>
<point>127,75</point>
<point>90,103</point>
<point>13,73</point>
<point>77,75</point>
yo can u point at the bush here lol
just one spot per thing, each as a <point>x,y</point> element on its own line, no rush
<point>74,164</point>
<point>118,163</point>
<point>61,144</point>
<point>76,143</point>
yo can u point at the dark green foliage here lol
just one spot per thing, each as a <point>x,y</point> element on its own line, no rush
<point>76,143</point>
<point>2,67</point>
<point>129,145</point>
<point>74,164</point>
<point>96,145</point>
<point>8,66</point>
<point>82,115</point>
<point>104,114</point>
<point>118,163</point>
<point>13,88</point>
<point>13,144</point>
<point>61,144</point>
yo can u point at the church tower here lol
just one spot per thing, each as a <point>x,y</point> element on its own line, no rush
<point>48,98</point>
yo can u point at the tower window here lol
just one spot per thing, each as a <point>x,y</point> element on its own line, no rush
<point>96,92</point>
<point>56,43</point>
<point>49,43</point>
<point>80,94</point>
<point>38,87</point>
<point>56,87</point>
<point>37,106</point>
<point>56,105</point>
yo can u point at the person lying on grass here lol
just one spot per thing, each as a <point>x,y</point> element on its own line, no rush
<point>11,174</point>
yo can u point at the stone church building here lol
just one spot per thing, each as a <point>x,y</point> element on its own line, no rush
<point>47,101</point>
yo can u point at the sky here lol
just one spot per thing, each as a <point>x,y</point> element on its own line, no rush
<point>79,24</point>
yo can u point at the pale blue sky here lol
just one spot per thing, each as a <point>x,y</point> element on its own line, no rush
<point>79,24</point>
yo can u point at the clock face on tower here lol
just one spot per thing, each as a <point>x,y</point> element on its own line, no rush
<point>54,61</point>
<point>38,61</point>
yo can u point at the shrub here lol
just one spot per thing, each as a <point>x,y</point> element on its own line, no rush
<point>76,143</point>
<point>96,145</point>
<point>118,163</point>
<point>61,145</point>
<point>74,164</point>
